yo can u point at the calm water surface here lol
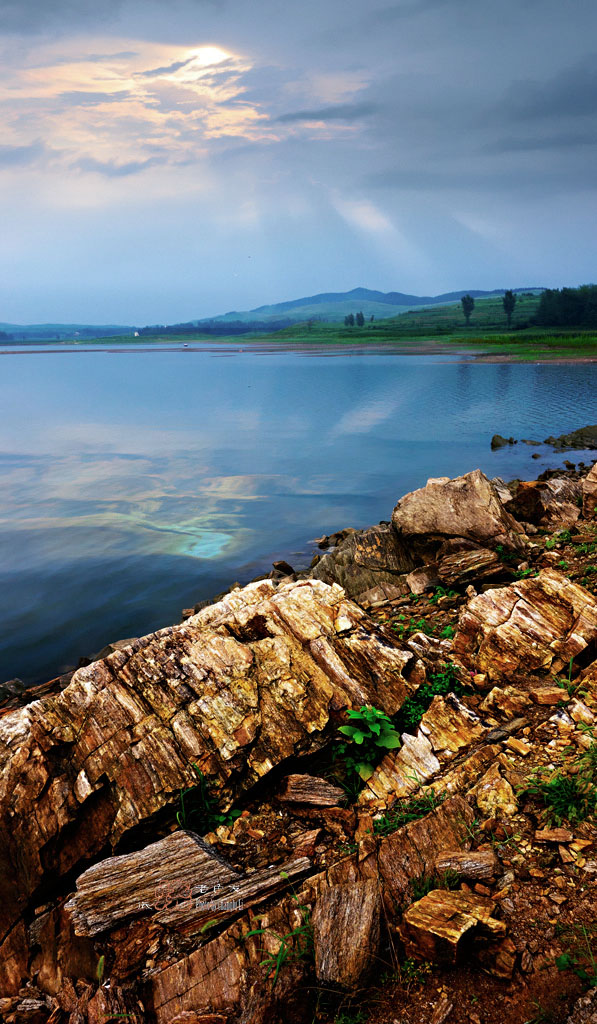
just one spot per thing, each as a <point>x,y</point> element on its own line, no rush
<point>136,483</point>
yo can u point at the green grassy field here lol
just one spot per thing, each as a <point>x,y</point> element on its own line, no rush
<point>438,328</point>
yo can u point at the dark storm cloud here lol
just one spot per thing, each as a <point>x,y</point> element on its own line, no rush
<point>570,93</point>
<point>110,169</point>
<point>338,112</point>
<point>21,156</point>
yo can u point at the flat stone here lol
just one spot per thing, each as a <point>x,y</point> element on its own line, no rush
<point>472,865</point>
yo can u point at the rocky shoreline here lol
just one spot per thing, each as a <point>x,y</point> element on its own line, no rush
<point>194,832</point>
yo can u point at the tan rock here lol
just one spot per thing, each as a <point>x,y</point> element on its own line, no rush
<point>434,927</point>
<point>422,579</point>
<point>494,795</point>
<point>589,493</point>
<point>536,623</point>
<point>450,725</point>
<point>461,567</point>
<point>553,835</point>
<point>467,506</point>
<point>547,695</point>
<point>402,771</point>
<point>235,689</point>
<point>473,865</point>
<point>509,701</point>
<point>518,746</point>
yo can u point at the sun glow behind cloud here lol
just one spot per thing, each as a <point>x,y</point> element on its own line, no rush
<point>119,112</point>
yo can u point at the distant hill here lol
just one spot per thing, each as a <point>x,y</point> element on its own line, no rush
<point>334,306</point>
<point>60,332</point>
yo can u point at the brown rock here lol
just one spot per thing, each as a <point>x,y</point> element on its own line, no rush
<point>366,559</point>
<point>467,506</point>
<point>346,930</point>
<point>464,566</point>
<point>589,493</point>
<point>308,789</point>
<point>553,835</point>
<point>550,695</point>
<point>473,865</point>
<point>532,624</point>
<point>433,928</point>
<point>450,725</point>
<point>422,579</point>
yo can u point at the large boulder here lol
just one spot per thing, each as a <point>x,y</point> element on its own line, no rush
<point>533,624</point>
<point>467,506</point>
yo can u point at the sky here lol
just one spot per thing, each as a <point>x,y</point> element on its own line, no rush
<point>164,161</point>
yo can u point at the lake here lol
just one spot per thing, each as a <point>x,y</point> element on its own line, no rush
<point>136,483</point>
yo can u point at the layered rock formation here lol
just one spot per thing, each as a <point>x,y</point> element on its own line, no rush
<point>129,889</point>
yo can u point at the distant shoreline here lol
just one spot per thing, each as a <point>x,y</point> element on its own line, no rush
<point>458,351</point>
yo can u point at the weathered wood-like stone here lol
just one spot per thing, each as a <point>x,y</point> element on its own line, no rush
<point>236,689</point>
<point>346,929</point>
<point>365,560</point>
<point>589,493</point>
<point>474,865</point>
<point>433,927</point>
<point>309,789</point>
<point>553,835</point>
<point>411,851</point>
<point>537,623</point>
<point>450,725</point>
<point>466,566</point>
<point>175,868</point>
<point>550,695</point>
<point>402,771</point>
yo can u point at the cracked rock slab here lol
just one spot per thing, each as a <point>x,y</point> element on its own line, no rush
<point>537,623</point>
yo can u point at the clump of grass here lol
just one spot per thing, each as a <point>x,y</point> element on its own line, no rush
<point>408,809</point>
<point>199,809</point>
<point>419,887</point>
<point>409,974</point>
<point>570,798</point>
<point>294,945</point>
<point>581,957</point>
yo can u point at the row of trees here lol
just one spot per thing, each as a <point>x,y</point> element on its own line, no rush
<point>508,302</point>
<point>359,320</point>
<point>568,307</point>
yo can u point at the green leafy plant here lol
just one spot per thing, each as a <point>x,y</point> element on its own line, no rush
<point>447,633</point>
<point>440,683</point>
<point>406,629</point>
<point>563,564</point>
<point>570,798</point>
<point>199,809</point>
<point>442,592</point>
<point>373,732</point>
<point>405,810</point>
<point>565,536</point>
<point>524,574</point>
